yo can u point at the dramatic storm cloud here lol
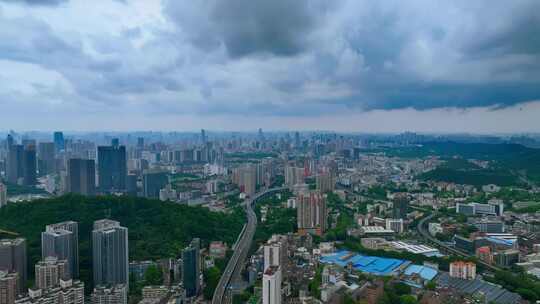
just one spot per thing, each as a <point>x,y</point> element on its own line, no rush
<point>205,61</point>
<point>244,27</point>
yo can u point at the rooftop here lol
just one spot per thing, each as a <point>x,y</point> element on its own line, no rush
<point>271,270</point>
<point>369,264</point>
<point>58,232</point>
<point>501,241</point>
<point>105,224</point>
<point>494,293</point>
<point>414,248</point>
<point>376,229</point>
<point>11,242</point>
<point>426,273</point>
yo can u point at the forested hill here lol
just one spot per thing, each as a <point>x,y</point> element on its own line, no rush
<point>156,229</point>
<point>506,160</point>
<point>466,150</point>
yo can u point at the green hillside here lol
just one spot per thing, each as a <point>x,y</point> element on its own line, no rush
<point>471,177</point>
<point>508,162</point>
<point>156,229</point>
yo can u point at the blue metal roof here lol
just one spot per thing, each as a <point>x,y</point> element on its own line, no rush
<point>501,241</point>
<point>370,264</point>
<point>426,273</point>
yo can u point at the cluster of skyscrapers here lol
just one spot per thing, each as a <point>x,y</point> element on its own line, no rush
<point>25,160</point>
<point>24,164</point>
<point>57,273</point>
<point>87,169</point>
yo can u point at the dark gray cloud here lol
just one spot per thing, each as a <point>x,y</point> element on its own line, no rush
<point>244,27</point>
<point>416,55</point>
<point>427,63</point>
<point>279,27</point>
<point>516,33</point>
<point>425,97</point>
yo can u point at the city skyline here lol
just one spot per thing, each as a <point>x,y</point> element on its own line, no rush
<point>344,66</point>
<point>273,217</point>
<point>269,152</point>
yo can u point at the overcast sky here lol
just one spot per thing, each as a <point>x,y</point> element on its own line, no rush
<point>350,65</point>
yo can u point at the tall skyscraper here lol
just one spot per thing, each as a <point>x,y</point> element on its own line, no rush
<point>46,158</point>
<point>15,169</point>
<point>203,137</point>
<point>401,204</point>
<point>13,259</point>
<point>59,144</point>
<point>196,243</point>
<point>153,181</point>
<point>61,241</point>
<point>81,177</point>
<point>311,213</point>
<point>272,255</point>
<point>3,195</point>
<point>29,166</point>
<point>245,177</point>
<point>325,182</point>
<point>50,271</point>
<point>190,270</point>
<point>248,179</point>
<point>293,176</point>
<point>112,168</point>
<point>8,287</point>
<point>10,141</point>
<point>262,140</point>
<point>272,285</point>
<point>110,253</point>
<point>140,142</point>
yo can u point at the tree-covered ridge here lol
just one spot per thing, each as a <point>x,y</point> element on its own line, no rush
<point>512,159</point>
<point>483,151</point>
<point>156,229</point>
<point>477,177</point>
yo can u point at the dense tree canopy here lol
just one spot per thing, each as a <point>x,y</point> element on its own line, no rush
<point>156,229</point>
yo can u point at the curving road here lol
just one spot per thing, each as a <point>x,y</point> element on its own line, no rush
<point>241,249</point>
<point>421,228</point>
